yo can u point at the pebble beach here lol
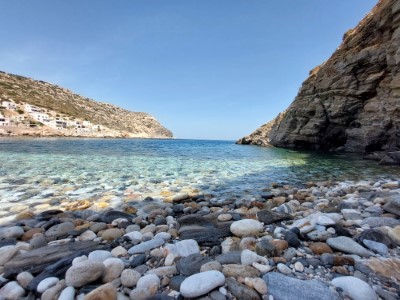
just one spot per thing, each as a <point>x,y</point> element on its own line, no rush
<point>326,240</point>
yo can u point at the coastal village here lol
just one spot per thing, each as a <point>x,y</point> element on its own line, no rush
<point>24,117</point>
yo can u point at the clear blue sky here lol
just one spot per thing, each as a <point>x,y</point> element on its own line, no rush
<point>211,69</point>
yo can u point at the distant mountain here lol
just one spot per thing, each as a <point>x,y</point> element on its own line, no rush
<point>114,120</point>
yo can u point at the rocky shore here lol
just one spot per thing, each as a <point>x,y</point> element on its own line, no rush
<point>328,240</point>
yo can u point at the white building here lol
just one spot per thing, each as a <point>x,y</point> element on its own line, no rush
<point>40,117</point>
<point>4,121</point>
<point>32,109</point>
<point>10,105</point>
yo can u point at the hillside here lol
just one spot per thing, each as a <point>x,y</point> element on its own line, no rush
<point>352,101</point>
<point>54,98</point>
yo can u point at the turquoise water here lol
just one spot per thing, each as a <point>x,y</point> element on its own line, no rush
<point>51,170</point>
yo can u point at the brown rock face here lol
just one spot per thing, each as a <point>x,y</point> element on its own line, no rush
<point>352,101</point>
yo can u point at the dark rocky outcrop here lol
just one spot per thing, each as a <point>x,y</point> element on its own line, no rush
<point>352,101</point>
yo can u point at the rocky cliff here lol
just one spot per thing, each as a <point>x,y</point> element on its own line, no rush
<point>52,97</point>
<point>352,101</point>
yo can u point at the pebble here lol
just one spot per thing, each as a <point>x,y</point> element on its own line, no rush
<point>211,266</point>
<point>105,291</point>
<point>46,284</point>
<point>6,253</point>
<point>347,245</point>
<point>88,235</point>
<point>284,269</point>
<point>201,283</point>
<point>99,255</point>
<point>13,232</point>
<point>119,251</point>
<point>113,269</point>
<point>380,248</point>
<point>246,227</point>
<point>224,217</point>
<point>112,234</point>
<point>24,278</point>
<point>59,231</point>
<point>149,282</point>
<point>355,288</point>
<point>146,246</point>
<point>183,248</point>
<point>134,236</point>
<point>249,257</point>
<point>12,291</point>
<point>129,277</point>
<point>236,270</point>
<point>67,294</point>
<point>298,266</point>
<point>284,287</point>
<point>83,273</point>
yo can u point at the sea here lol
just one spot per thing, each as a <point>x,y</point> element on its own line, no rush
<point>43,173</point>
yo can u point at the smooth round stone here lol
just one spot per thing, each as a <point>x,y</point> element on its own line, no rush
<point>355,288</point>
<point>236,270</point>
<point>325,221</point>
<point>201,283</point>
<point>256,283</point>
<point>284,269</point>
<point>224,217</point>
<point>6,253</point>
<point>380,248</point>
<point>96,227</point>
<point>150,282</point>
<point>67,294</point>
<point>129,277</point>
<point>79,259</point>
<point>134,236</point>
<point>146,246</point>
<point>319,235</point>
<point>105,291</point>
<point>140,294</point>
<point>24,279</point>
<point>38,241</point>
<point>183,248</point>
<point>211,266</point>
<point>246,227</point>
<point>163,235</point>
<point>111,234</point>
<point>99,255</point>
<point>163,271</point>
<point>347,245</point>
<point>15,232</point>
<point>119,251</point>
<point>59,231</point>
<point>147,236</point>
<point>47,283</point>
<point>320,248</point>
<point>12,290</point>
<point>113,268</point>
<point>298,266</point>
<point>248,243</point>
<point>248,257</point>
<point>83,273</point>
<point>88,235</point>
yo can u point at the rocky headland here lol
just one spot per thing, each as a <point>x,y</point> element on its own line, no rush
<point>352,101</point>
<point>56,111</point>
<point>328,240</point>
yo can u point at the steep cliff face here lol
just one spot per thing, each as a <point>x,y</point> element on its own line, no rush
<point>352,101</point>
<point>55,98</point>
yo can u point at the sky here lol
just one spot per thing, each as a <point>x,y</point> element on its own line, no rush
<point>205,69</point>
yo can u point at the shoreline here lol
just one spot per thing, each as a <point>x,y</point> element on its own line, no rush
<point>326,236</point>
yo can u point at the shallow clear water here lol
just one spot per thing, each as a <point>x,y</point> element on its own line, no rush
<point>36,170</point>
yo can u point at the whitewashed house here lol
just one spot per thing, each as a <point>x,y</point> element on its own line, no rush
<point>40,117</point>
<point>32,109</point>
<point>10,105</point>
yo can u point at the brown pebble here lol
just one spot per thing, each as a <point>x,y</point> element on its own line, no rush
<point>320,248</point>
<point>343,260</point>
<point>103,292</point>
<point>340,270</point>
<point>29,234</point>
<point>281,245</point>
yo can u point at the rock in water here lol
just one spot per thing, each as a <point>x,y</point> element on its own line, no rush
<point>355,288</point>
<point>284,287</point>
<point>347,245</point>
<point>246,227</point>
<point>201,283</point>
